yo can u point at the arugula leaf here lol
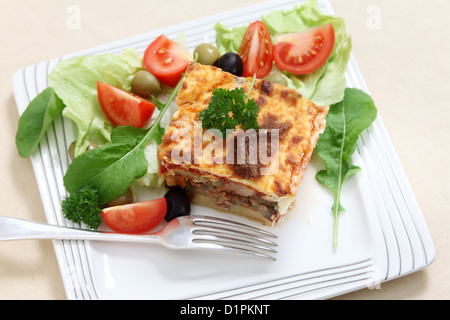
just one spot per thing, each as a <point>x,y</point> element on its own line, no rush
<point>159,105</point>
<point>112,168</point>
<point>35,121</point>
<point>129,134</point>
<point>346,121</point>
<point>228,109</point>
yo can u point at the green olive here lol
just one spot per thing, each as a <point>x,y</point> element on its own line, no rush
<point>72,146</point>
<point>126,198</point>
<point>277,78</point>
<point>145,84</point>
<point>206,54</point>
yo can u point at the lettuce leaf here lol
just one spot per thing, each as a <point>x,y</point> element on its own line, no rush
<point>229,40</point>
<point>326,85</point>
<point>75,82</point>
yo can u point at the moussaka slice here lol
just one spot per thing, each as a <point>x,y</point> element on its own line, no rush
<point>253,173</point>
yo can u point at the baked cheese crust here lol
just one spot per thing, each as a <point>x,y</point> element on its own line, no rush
<point>284,113</point>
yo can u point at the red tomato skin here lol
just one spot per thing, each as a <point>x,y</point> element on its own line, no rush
<point>256,54</point>
<point>124,108</point>
<point>309,58</point>
<point>135,218</point>
<point>166,60</point>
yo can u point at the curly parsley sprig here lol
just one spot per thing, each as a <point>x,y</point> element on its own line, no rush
<point>83,206</point>
<point>230,108</point>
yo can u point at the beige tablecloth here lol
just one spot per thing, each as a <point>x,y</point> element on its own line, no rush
<point>402,50</point>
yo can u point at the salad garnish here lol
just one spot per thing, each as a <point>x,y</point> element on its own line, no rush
<point>101,175</point>
<point>325,85</point>
<point>111,169</point>
<point>304,52</point>
<point>256,51</point>
<point>83,206</point>
<point>124,108</point>
<point>75,81</point>
<point>167,60</point>
<point>346,121</point>
<point>230,108</point>
<point>34,122</point>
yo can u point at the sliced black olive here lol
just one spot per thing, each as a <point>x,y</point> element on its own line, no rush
<point>177,204</point>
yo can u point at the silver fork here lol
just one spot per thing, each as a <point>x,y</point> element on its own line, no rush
<point>188,232</point>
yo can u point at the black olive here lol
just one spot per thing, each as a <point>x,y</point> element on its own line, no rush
<point>177,204</point>
<point>230,62</point>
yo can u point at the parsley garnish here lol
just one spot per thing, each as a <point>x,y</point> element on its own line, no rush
<point>83,206</point>
<point>230,108</point>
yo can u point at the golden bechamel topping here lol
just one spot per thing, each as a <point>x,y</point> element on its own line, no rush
<point>274,168</point>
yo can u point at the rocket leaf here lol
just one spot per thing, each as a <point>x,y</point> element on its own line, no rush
<point>110,170</point>
<point>36,119</point>
<point>346,121</point>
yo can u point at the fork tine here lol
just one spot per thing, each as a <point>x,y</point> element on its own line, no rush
<point>229,235</point>
<point>210,245</point>
<point>237,234</point>
<point>204,236</point>
<point>214,221</point>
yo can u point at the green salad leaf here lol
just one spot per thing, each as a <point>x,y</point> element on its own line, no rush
<point>109,169</point>
<point>35,120</point>
<point>75,82</point>
<point>346,121</point>
<point>324,86</point>
<point>112,168</point>
<point>229,40</point>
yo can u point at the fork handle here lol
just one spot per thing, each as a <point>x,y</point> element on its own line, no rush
<point>18,229</point>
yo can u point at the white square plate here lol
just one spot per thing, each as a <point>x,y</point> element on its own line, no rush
<point>382,234</point>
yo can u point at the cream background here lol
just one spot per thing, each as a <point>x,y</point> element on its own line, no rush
<point>404,60</point>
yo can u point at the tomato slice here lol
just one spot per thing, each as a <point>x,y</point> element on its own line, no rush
<point>256,51</point>
<point>306,51</point>
<point>123,108</point>
<point>135,218</point>
<point>166,60</point>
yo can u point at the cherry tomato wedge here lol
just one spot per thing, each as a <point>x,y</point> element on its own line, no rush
<point>123,108</point>
<point>256,51</point>
<point>135,218</point>
<point>306,51</point>
<point>166,60</point>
